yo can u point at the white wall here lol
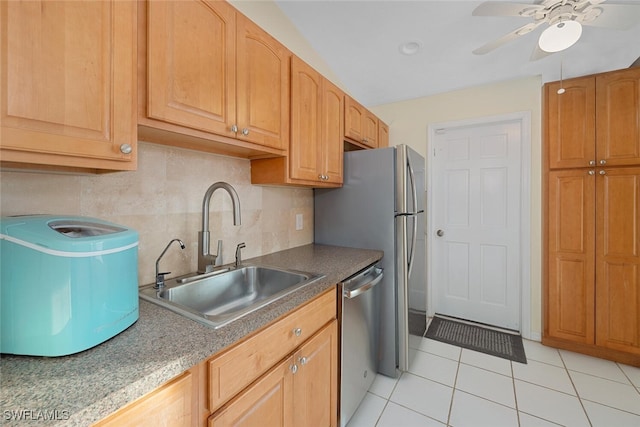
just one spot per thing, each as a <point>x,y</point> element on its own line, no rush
<point>409,122</point>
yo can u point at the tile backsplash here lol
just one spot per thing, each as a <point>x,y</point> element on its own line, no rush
<point>162,200</point>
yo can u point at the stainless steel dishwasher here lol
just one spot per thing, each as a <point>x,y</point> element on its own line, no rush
<point>359,338</point>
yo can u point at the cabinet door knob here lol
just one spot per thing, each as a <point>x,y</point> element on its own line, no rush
<point>293,368</point>
<point>592,162</point>
<point>234,128</point>
<point>126,148</point>
<point>591,172</point>
<point>303,360</point>
<point>603,162</point>
<point>297,332</point>
<point>602,172</point>
<point>245,131</point>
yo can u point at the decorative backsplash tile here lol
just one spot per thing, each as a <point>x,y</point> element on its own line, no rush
<point>163,200</point>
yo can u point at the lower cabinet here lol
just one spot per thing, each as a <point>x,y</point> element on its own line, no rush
<point>299,391</point>
<point>283,375</point>
<point>173,404</point>
<point>592,288</point>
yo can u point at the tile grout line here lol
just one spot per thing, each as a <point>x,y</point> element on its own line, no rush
<point>515,394</point>
<point>576,389</point>
<point>453,389</point>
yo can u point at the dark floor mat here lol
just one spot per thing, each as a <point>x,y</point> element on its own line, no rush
<point>476,337</point>
<point>417,323</point>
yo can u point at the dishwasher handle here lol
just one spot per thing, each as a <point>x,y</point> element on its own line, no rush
<point>362,282</point>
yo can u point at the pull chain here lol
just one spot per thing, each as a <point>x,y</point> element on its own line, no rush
<point>561,90</point>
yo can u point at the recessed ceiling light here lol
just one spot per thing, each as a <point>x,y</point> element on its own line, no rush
<point>410,48</point>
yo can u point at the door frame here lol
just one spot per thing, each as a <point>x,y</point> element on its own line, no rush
<point>524,119</point>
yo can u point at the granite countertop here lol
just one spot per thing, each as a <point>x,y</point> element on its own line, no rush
<point>80,389</point>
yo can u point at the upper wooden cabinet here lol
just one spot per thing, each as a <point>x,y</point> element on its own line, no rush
<point>214,79</point>
<point>191,73</point>
<point>383,134</point>
<point>596,121</point>
<point>68,85</point>
<point>618,118</point>
<point>316,147</point>
<point>360,125</point>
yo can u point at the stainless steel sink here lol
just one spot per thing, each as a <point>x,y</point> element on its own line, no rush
<point>222,297</point>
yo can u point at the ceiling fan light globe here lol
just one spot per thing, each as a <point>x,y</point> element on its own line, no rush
<point>560,36</point>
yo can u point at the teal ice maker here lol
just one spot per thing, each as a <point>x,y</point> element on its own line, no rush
<point>67,283</point>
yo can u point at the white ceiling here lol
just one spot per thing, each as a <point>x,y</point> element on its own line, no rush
<point>360,41</point>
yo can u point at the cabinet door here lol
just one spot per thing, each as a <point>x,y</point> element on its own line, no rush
<point>68,83</point>
<point>169,405</point>
<point>354,119</point>
<point>618,259</point>
<point>267,402</point>
<point>570,282</point>
<point>305,149</point>
<point>315,381</point>
<point>383,134</point>
<point>332,131</point>
<point>237,367</point>
<point>570,123</point>
<point>191,64</point>
<point>370,130</point>
<point>618,117</point>
<point>262,86</point>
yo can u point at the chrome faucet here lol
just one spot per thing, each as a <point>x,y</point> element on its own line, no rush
<point>160,276</point>
<point>206,260</point>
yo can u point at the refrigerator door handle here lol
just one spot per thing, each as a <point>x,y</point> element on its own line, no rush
<point>415,219</point>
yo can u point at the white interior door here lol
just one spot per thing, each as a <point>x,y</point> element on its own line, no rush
<point>476,226</point>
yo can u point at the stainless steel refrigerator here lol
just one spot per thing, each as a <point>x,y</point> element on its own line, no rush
<point>381,206</point>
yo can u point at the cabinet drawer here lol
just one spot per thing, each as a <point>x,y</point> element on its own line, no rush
<point>237,367</point>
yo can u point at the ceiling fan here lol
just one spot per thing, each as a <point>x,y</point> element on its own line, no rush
<point>564,19</point>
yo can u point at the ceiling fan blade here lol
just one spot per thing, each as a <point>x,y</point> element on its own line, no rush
<point>616,16</point>
<point>500,8</point>
<point>507,38</point>
<point>538,53</point>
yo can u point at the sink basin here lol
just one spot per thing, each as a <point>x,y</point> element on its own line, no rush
<point>218,298</point>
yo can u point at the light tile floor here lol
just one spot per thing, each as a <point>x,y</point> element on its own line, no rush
<point>450,386</point>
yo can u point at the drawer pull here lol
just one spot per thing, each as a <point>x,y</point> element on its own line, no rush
<point>293,368</point>
<point>297,332</point>
<point>303,360</point>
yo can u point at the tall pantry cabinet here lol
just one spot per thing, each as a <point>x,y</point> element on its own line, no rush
<point>592,215</point>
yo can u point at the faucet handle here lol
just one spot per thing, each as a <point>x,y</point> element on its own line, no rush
<point>160,280</point>
<point>218,256</point>
<point>238,254</point>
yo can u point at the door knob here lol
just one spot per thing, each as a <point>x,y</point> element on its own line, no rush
<point>440,233</point>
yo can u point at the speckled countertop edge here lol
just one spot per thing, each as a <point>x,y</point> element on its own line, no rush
<point>83,388</point>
